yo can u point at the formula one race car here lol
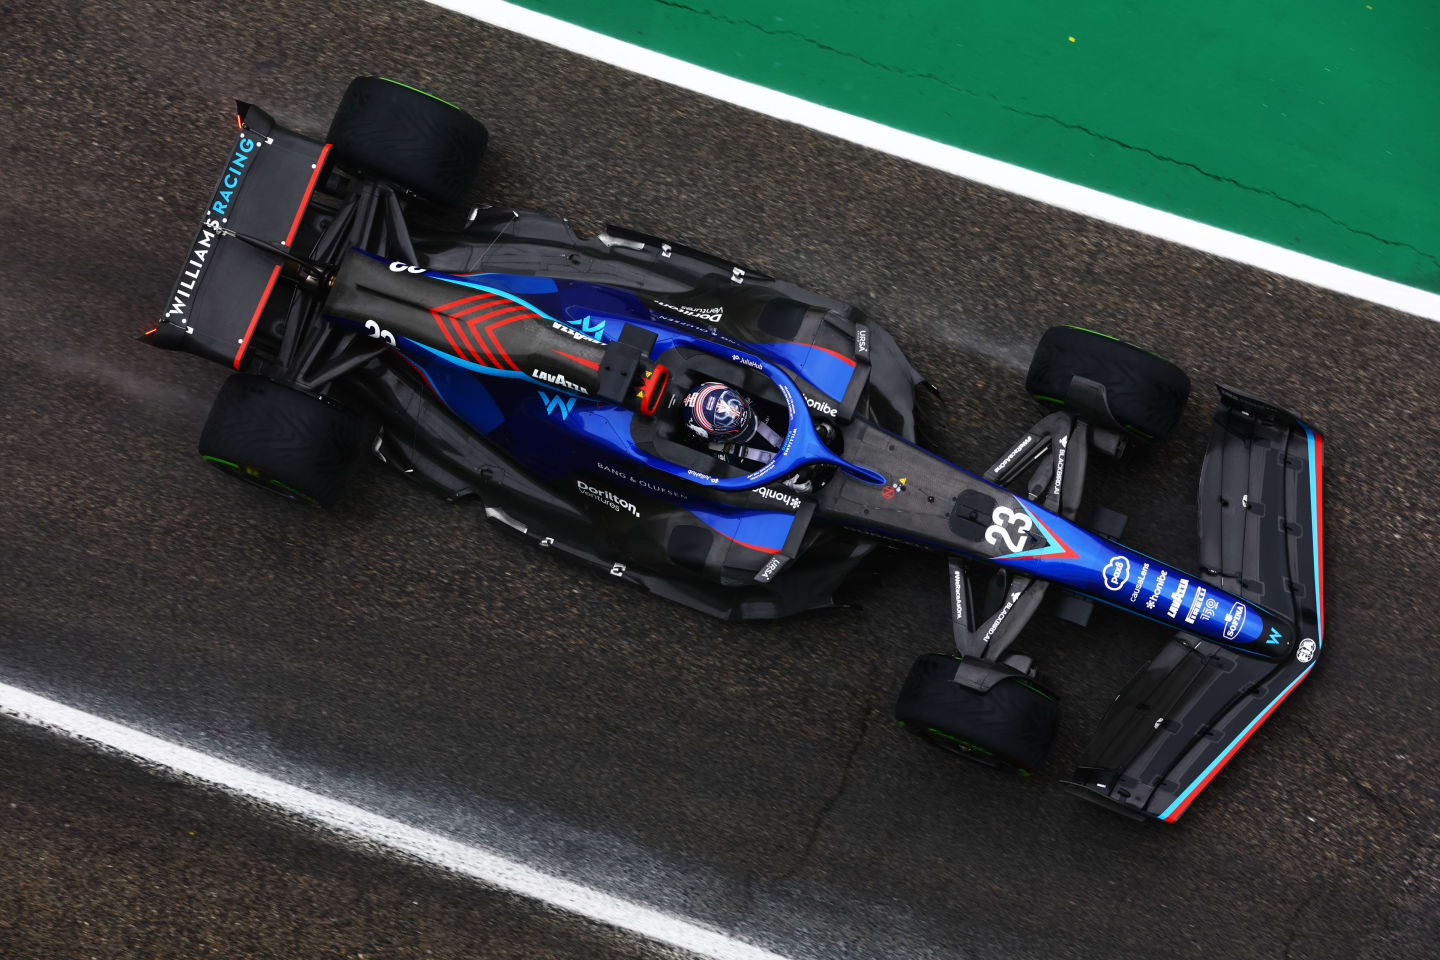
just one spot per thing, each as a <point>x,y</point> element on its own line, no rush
<point>729,440</point>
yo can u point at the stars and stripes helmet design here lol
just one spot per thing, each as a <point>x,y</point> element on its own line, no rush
<point>719,413</point>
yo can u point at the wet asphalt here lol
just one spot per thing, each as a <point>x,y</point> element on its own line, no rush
<point>403,655</point>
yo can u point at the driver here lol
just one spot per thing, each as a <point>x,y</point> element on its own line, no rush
<point>719,413</point>
<point>726,421</point>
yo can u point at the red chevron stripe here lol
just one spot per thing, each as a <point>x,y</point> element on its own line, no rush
<point>496,340</point>
<point>444,311</point>
<point>473,323</point>
<point>445,307</point>
<point>484,302</point>
<point>460,331</point>
<point>488,355</point>
<point>443,329</point>
<point>493,313</point>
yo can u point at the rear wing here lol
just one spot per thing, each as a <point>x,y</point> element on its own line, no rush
<point>1188,711</point>
<point>226,283</point>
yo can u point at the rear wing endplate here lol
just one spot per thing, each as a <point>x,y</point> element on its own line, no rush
<point>263,189</point>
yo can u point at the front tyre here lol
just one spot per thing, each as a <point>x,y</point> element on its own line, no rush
<point>406,136</point>
<point>1009,726</point>
<point>1145,392</point>
<point>300,446</point>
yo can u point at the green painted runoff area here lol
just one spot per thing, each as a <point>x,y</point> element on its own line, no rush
<point>1311,124</point>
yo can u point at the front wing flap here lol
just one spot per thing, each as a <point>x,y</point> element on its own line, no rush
<point>1188,711</point>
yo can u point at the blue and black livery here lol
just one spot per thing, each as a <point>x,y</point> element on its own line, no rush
<point>502,356</point>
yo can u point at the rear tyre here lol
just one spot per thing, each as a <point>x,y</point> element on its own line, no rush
<point>291,443</point>
<point>1145,392</point>
<point>1009,726</point>
<point>408,137</point>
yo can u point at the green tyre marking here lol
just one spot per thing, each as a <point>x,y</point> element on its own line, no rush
<point>1075,326</point>
<point>255,474</point>
<point>964,743</point>
<point>422,93</point>
<point>1107,336</point>
<point>1034,689</point>
<point>289,489</point>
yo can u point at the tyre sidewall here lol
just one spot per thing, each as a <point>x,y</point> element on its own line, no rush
<point>1011,724</point>
<point>291,442</point>
<point>1145,392</point>
<point>409,138</point>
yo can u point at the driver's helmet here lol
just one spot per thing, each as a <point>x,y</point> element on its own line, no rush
<point>720,413</point>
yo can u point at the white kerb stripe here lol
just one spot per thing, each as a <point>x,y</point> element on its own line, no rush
<point>484,866</point>
<point>962,163</point>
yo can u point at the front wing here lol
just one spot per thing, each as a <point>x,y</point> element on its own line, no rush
<point>1188,711</point>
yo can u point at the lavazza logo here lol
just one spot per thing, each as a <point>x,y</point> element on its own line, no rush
<point>1117,573</point>
<point>559,380</point>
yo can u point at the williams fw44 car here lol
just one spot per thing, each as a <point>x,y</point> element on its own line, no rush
<point>729,440</point>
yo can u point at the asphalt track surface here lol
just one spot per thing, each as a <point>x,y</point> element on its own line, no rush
<point>103,858</point>
<point>401,654</point>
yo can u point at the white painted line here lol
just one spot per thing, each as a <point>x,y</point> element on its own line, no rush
<point>961,163</point>
<point>343,818</point>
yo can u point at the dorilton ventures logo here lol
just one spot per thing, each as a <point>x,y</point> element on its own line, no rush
<point>613,501</point>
